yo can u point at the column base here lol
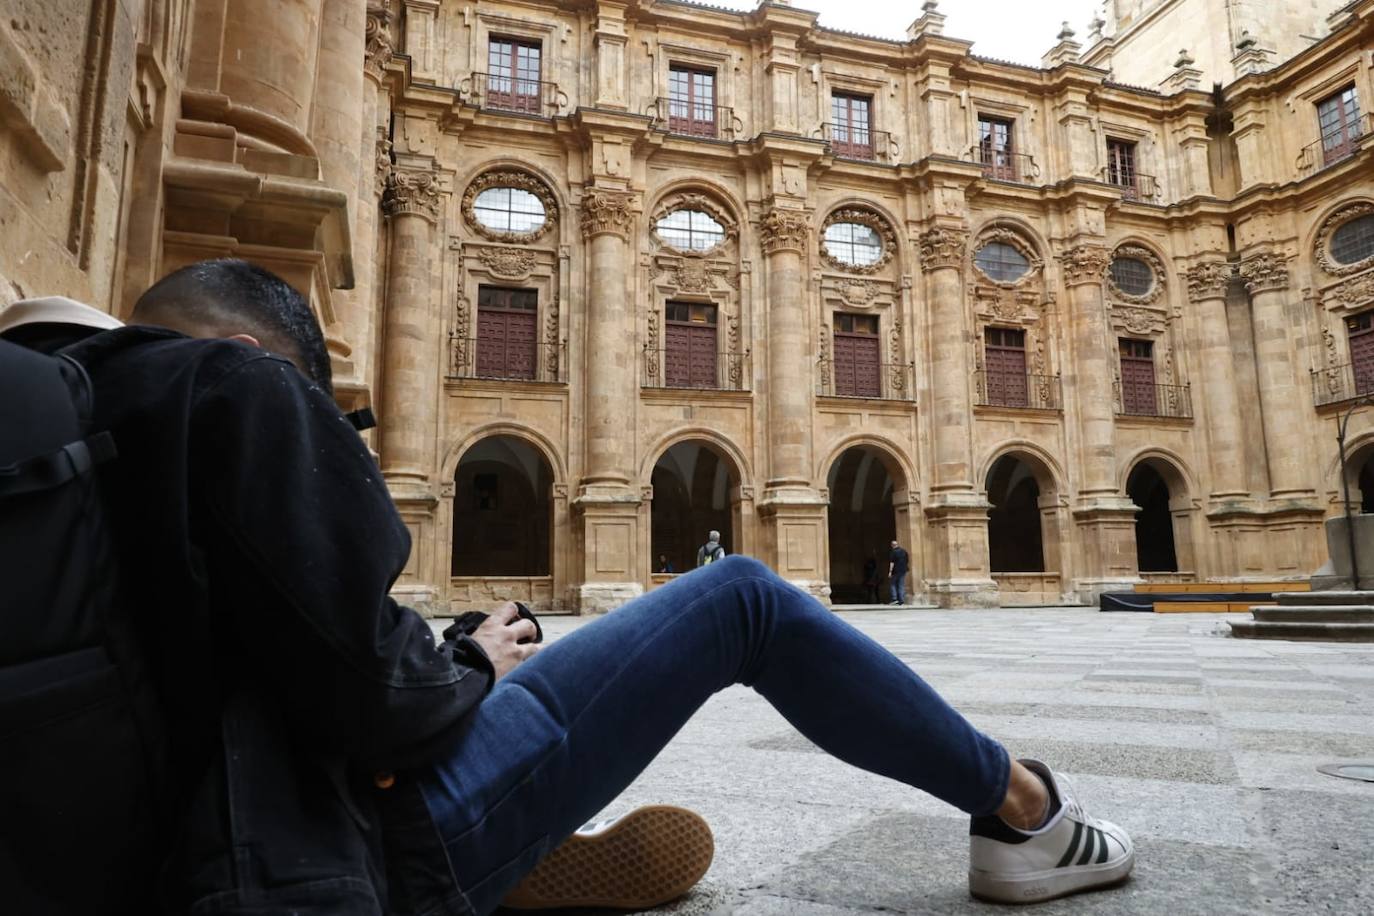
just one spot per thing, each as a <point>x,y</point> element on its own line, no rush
<point>422,598</point>
<point>795,537</point>
<point>957,552</point>
<point>612,570</point>
<point>963,593</point>
<point>1108,562</point>
<point>1088,591</point>
<point>603,597</point>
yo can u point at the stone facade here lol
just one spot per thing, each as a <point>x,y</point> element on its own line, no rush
<point>347,144</point>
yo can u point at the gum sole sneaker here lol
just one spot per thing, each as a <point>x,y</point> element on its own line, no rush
<point>1072,852</point>
<point>641,860</point>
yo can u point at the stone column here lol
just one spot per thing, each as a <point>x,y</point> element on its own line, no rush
<point>957,512</point>
<point>1284,399</point>
<point>411,350</point>
<point>1207,283</point>
<point>793,510</point>
<point>1105,518</point>
<point>606,501</point>
<point>374,157</point>
<point>270,54</point>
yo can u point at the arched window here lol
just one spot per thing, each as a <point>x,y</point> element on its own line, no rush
<point>509,205</point>
<point>854,244</point>
<point>690,230</point>
<point>1353,241</point>
<point>509,210</point>
<point>1132,276</point>
<point>1002,262</point>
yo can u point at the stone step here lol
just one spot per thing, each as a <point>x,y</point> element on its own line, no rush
<point>1322,632</point>
<point>1333,597</point>
<point>1321,613</point>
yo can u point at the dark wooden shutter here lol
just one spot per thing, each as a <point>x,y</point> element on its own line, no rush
<point>858,365</point>
<point>689,360</point>
<point>1004,357</point>
<point>1361,329</point>
<point>1121,167</point>
<point>507,333</point>
<point>1138,379</point>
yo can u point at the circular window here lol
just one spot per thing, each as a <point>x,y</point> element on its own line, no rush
<point>1132,276</point>
<point>1002,262</point>
<point>854,244</point>
<point>1353,241</point>
<point>690,230</point>
<point>509,210</point>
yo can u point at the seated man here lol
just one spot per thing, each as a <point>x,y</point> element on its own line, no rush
<point>333,759</point>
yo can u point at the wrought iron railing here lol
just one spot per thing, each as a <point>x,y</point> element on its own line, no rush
<point>470,358</point>
<point>693,119</point>
<point>850,142</point>
<point>1326,152</point>
<point>1005,166</point>
<point>891,382</point>
<point>1173,401</point>
<point>1337,384</point>
<point>1137,186</point>
<point>730,373</point>
<point>514,94</point>
<point>1028,392</point>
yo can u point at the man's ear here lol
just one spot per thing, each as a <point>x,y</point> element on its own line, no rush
<point>246,338</point>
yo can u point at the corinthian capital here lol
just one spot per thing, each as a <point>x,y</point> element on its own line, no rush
<point>412,193</point>
<point>1265,272</point>
<point>942,247</point>
<point>607,212</point>
<point>1208,279</point>
<point>1084,264</point>
<point>784,230</point>
<point>378,35</point>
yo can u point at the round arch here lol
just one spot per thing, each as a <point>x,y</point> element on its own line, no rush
<point>718,443</point>
<point>522,165</point>
<point>696,489</point>
<point>869,507</point>
<point>1170,466</point>
<point>1015,224</point>
<point>857,203</point>
<point>449,466</point>
<point>1046,468</point>
<point>894,459</point>
<point>718,193</point>
<point>1359,468</point>
<point>503,510</point>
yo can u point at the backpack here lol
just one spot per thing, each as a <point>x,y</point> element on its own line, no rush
<point>81,739</point>
<point>714,555</point>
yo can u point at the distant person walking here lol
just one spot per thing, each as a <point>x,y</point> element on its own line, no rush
<point>897,564</point>
<point>711,551</point>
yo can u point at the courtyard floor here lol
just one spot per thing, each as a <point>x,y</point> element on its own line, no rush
<point>1204,747</point>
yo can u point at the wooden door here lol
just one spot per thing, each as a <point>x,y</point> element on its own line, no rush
<point>1004,359</point>
<point>1138,392</point>
<point>689,361</point>
<point>858,365</point>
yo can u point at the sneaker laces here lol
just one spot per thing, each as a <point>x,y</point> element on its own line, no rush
<point>1068,797</point>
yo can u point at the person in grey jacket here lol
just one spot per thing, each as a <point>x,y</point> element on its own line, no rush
<point>711,550</point>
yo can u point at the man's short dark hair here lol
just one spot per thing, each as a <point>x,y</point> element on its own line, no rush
<point>229,295</point>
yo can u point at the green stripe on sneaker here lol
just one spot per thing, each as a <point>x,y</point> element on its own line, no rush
<point>1073,846</point>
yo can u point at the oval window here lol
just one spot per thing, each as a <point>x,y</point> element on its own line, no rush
<point>854,244</point>
<point>690,230</point>
<point>1132,276</point>
<point>509,210</point>
<point>1002,262</point>
<point>1353,241</point>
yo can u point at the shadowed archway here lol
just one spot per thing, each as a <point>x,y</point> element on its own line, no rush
<point>862,523</point>
<point>1154,523</point>
<point>502,510</point>
<point>694,493</point>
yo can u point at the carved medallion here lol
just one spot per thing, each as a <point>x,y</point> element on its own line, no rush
<point>1356,292</point>
<point>857,292</point>
<point>511,263</point>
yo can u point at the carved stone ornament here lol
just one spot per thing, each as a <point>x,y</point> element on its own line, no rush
<point>1208,279</point>
<point>703,204</point>
<point>509,178</point>
<point>1157,285</point>
<point>1138,320</point>
<point>383,164</point>
<point>378,46</point>
<point>1355,293</point>
<point>1265,272</point>
<point>1013,238</point>
<point>607,212</point>
<point>1083,264</point>
<point>1330,225</point>
<point>784,230</point>
<point>887,238</point>
<point>941,247</point>
<point>511,263</point>
<point>857,292</point>
<point>412,194</point>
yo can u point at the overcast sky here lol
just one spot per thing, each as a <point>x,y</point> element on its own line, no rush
<point>1017,30</point>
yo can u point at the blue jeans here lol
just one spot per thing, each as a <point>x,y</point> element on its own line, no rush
<point>564,733</point>
<point>897,585</point>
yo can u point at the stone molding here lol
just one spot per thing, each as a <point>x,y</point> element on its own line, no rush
<point>1009,236</point>
<point>864,218</point>
<point>784,230</point>
<point>1267,272</point>
<point>1084,264</point>
<point>942,247</point>
<point>383,165</point>
<point>412,193</point>
<point>378,46</point>
<point>702,204</point>
<point>509,178</point>
<point>607,212</point>
<point>509,263</point>
<point>1208,280</point>
<point>1330,225</point>
<point>1159,280</point>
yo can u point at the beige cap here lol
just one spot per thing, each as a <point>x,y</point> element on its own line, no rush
<point>55,310</point>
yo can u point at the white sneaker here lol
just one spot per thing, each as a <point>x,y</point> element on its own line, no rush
<point>1072,852</point>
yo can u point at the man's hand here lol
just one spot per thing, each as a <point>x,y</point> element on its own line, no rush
<point>506,638</point>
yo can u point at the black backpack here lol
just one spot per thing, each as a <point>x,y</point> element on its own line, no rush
<point>82,742</point>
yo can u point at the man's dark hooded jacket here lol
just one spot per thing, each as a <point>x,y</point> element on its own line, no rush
<point>261,543</point>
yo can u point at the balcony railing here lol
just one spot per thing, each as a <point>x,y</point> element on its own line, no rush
<point>1328,151</point>
<point>731,372</point>
<point>693,119</point>
<point>1173,401</point>
<point>1337,384</point>
<point>512,93</point>
<point>893,382</point>
<point>865,144</point>
<point>1028,392</point>
<point>1133,187</point>
<point>542,362</point>
<point>1005,166</point>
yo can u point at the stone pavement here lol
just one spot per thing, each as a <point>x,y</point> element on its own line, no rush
<point>1204,747</point>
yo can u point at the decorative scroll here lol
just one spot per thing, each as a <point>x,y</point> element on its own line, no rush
<point>1208,279</point>
<point>1083,264</point>
<point>607,212</point>
<point>458,339</point>
<point>784,230</point>
<point>1330,225</point>
<point>1266,272</point>
<point>551,323</point>
<point>873,221</point>
<point>378,45</point>
<point>410,193</point>
<point>942,247</point>
<point>823,349</point>
<point>511,263</point>
<point>1140,253</point>
<point>510,178</point>
<point>897,369</point>
<point>383,172</point>
<point>1354,293</point>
